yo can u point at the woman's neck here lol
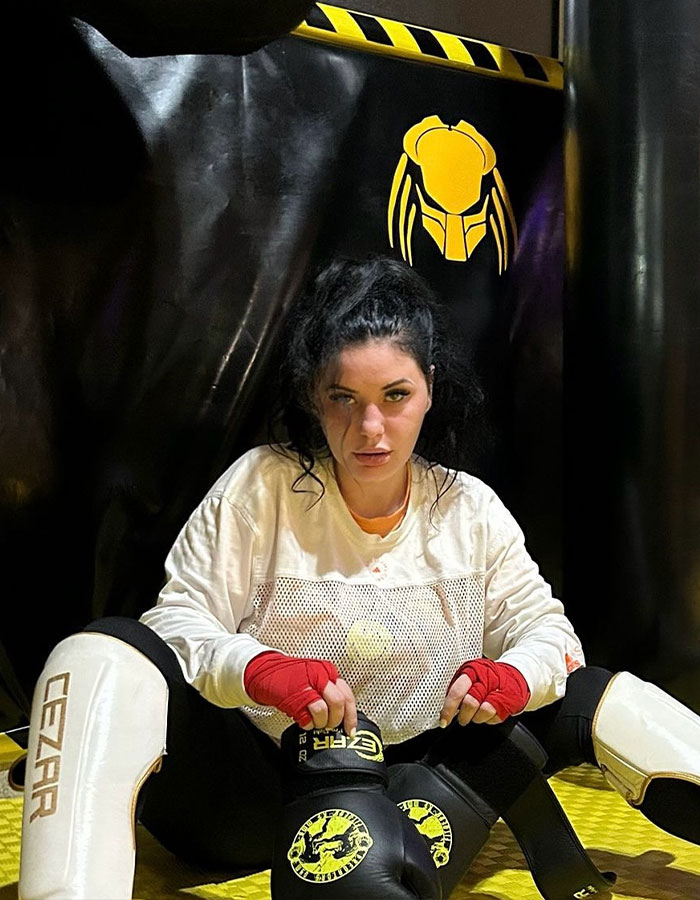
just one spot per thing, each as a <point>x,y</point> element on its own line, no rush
<point>374,500</point>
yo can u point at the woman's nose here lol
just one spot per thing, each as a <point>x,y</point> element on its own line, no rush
<point>372,421</point>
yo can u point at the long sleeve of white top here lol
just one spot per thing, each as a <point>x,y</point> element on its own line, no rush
<point>524,624</point>
<point>204,599</point>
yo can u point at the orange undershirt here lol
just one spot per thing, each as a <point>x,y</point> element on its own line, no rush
<point>384,524</point>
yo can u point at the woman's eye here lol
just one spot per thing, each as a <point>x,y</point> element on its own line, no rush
<point>343,399</point>
<point>395,396</point>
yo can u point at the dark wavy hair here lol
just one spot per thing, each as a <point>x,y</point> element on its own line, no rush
<point>347,303</point>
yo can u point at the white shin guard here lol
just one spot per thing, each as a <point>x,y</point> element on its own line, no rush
<point>647,745</point>
<point>98,726</point>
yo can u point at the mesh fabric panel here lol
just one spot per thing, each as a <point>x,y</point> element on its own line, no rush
<point>397,647</point>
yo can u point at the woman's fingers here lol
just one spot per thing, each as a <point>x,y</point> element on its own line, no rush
<point>486,715</point>
<point>318,710</point>
<point>350,714</point>
<point>453,699</point>
<point>459,702</point>
<point>469,710</point>
<point>337,704</point>
<point>335,701</point>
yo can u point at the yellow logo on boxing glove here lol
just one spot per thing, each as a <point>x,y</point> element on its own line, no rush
<point>434,825</point>
<point>329,845</point>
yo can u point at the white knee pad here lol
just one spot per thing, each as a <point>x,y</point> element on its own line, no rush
<point>97,731</point>
<point>641,733</point>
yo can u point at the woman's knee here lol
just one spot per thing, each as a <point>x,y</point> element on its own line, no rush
<point>143,639</point>
<point>98,722</point>
<point>565,728</point>
<point>584,690</point>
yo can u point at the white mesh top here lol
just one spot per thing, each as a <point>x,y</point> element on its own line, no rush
<point>259,566</point>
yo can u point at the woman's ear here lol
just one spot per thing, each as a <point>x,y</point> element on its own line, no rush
<point>429,381</point>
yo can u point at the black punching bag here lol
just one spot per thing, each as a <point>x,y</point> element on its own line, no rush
<point>631,336</point>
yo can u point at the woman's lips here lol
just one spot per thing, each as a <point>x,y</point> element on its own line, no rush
<point>372,457</point>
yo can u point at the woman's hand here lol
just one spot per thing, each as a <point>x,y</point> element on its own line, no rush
<point>484,691</point>
<point>309,691</point>
<point>336,705</point>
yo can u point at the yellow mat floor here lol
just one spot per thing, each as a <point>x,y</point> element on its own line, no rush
<point>650,864</point>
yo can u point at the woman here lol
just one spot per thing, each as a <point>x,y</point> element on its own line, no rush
<point>343,569</point>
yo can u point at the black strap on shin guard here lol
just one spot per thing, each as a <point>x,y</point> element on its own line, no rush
<point>560,866</point>
<point>503,765</point>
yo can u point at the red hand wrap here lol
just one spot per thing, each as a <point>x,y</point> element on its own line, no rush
<point>497,683</point>
<point>288,683</point>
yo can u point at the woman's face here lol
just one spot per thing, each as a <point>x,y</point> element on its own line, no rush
<point>372,402</point>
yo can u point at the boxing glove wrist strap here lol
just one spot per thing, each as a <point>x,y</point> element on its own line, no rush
<point>321,757</point>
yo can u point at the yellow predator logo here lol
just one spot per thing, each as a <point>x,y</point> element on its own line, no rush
<point>329,845</point>
<point>434,825</point>
<point>454,181</point>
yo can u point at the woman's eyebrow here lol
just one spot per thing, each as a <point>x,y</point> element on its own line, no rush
<point>335,386</point>
<point>398,381</point>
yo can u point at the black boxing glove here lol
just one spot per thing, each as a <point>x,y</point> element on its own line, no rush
<point>453,820</point>
<point>341,837</point>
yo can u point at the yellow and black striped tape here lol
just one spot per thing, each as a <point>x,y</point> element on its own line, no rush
<point>361,31</point>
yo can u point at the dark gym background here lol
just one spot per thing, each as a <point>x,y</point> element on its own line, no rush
<point>160,209</point>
